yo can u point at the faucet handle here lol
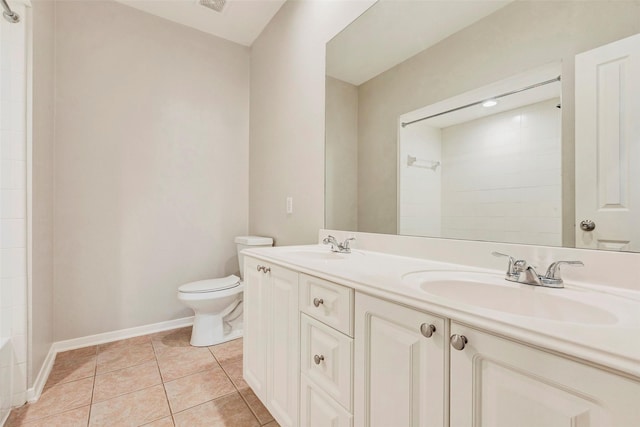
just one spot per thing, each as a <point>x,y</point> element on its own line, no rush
<point>553,272</point>
<point>347,241</point>
<point>328,239</point>
<point>512,262</point>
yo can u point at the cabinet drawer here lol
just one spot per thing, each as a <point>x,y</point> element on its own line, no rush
<point>319,410</point>
<point>330,303</point>
<point>326,358</point>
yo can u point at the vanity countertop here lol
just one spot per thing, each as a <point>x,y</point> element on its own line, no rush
<point>587,324</point>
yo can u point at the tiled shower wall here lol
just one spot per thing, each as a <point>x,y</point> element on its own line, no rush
<point>13,280</point>
<point>501,177</point>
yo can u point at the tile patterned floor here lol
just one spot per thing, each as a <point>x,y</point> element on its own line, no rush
<point>155,380</point>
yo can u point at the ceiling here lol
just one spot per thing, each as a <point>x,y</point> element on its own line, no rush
<point>240,21</point>
<point>375,42</point>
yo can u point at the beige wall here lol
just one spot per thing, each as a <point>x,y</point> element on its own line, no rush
<point>41,293</point>
<point>521,36</point>
<point>341,155</point>
<point>151,161</point>
<point>287,118</point>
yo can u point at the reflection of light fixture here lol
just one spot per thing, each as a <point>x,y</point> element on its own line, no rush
<point>490,103</point>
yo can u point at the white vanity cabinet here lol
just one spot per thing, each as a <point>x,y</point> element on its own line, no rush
<point>326,353</point>
<point>400,365</point>
<point>497,382</point>
<point>319,353</point>
<point>271,337</point>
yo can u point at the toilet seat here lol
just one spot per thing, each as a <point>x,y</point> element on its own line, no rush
<point>210,285</point>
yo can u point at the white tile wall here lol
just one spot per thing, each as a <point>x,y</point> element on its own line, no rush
<point>13,282</point>
<point>501,177</point>
<point>420,187</point>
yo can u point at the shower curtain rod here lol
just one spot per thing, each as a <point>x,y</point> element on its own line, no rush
<point>9,14</point>
<point>546,82</point>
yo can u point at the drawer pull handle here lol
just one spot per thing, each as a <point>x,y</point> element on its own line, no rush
<point>427,330</point>
<point>317,302</point>
<point>317,359</point>
<point>458,341</point>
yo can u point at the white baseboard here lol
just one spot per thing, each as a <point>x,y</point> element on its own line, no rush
<point>34,392</point>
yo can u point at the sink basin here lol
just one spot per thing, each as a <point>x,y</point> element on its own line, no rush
<point>317,255</point>
<point>492,292</point>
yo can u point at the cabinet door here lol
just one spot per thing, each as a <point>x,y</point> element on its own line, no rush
<point>317,409</point>
<point>399,372</point>
<point>499,383</point>
<point>283,345</point>
<point>254,356</point>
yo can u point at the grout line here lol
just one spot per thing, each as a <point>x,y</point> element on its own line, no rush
<point>93,388</point>
<point>246,402</point>
<point>208,401</point>
<point>166,396</point>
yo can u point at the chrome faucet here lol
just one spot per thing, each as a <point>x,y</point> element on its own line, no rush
<point>342,248</point>
<point>521,272</point>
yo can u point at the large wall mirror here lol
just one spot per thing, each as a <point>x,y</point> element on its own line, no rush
<point>509,121</point>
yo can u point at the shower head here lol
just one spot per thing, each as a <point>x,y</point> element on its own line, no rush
<point>8,14</point>
<point>216,5</point>
<point>12,17</point>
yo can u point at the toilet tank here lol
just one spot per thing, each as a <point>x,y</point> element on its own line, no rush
<point>244,242</point>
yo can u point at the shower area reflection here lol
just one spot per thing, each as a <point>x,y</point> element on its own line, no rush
<point>13,206</point>
<point>485,165</point>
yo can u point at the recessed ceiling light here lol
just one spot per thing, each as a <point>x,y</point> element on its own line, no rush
<point>216,5</point>
<point>490,103</point>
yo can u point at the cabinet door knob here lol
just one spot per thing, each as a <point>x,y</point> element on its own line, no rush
<point>318,301</point>
<point>587,225</point>
<point>260,268</point>
<point>427,330</point>
<point>317,359</point>
<point>266,269</point>
<point>458,341</point>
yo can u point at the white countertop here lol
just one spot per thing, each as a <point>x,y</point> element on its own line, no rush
<point>613,342</point>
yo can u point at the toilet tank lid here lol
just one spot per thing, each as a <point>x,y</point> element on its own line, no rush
<point>211,285</point>
<point>254,240</point>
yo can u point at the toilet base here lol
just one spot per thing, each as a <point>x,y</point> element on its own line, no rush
<point>208,329</point>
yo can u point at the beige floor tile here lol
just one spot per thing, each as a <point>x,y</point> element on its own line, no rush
<point>55,400</point>
<point>165,341</point>
<point>229,411</point>
<point>227,350</point>
<point>233,368</point>
<point>124,357</point>
<point>272,424</point>
<point>73,418</point>
<point>195,389</point>
<point>133,409</point>
<point>77,353</point>
<point>262,414</point>
<point>68,369</point>
<point>163,422</point>
<point>172,333</point>
<point>180,362</point>
<point>116,383</point>
<point>124,343</point>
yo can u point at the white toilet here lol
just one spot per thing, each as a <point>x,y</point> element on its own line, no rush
<point>217,303</point>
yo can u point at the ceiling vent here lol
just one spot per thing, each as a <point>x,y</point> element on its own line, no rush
<point>216,5</point>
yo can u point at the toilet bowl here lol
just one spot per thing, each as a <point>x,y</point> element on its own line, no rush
<point>217,303</point>
<point>212,300</point>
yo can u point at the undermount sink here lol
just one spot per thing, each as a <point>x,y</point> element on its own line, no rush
<point>491,291</point>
